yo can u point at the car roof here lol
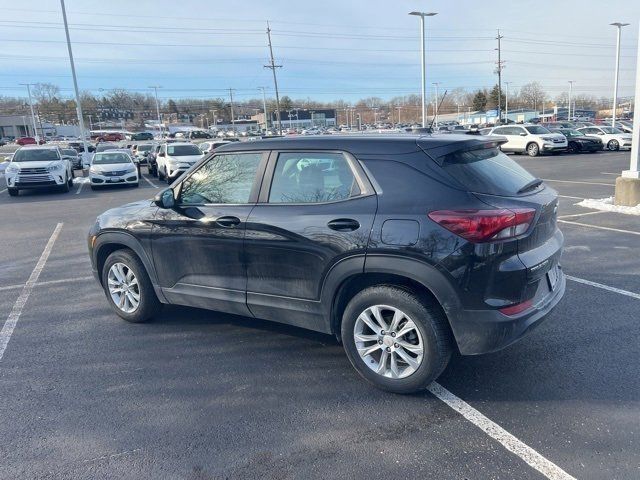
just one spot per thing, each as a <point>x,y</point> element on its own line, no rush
<point>173,144</point>
<point>40,147</point>
<point>364,144</point>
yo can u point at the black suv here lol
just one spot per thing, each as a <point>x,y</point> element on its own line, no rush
<point>404,247</point>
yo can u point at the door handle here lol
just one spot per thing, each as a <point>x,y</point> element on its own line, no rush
<point>228,221</point>
<point>343,225</point>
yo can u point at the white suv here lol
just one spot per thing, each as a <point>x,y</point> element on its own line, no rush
<point>176,158</point>
<point>532,139</point>
<point>612,138</point>
<point>34,167</point>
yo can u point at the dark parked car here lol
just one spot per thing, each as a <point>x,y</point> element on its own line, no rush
<point>142,136</point>
<point>72,155</point>
<point>578,142</point>
<point>79,147</point>
<point>404,247</point>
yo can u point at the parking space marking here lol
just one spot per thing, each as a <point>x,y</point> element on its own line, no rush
<point>582,214</point>
<point>48,282</point>
<point>572,198</point>
<point>2,191</point>
<point>149,181</point>
<point>610,173</point>
<point>604,287</point>
<point>80,188</point>
<point>599,227</point>
<point>576,181</point>
<point>16,311</point>
<point>495,431</point>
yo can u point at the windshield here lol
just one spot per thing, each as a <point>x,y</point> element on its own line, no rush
<point>569,132</point>
<point>36,155</point>
<point>70,152</point>
<point>537,130</point>
<point>610,130</point>
<point>144,148</point>
<point>487,171</point>
<point>182,150</point>
<point>110,157</point>
<point>105,146</point>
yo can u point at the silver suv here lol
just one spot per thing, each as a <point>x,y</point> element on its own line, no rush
<point>34,167</point>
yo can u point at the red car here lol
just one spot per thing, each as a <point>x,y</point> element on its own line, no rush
<point>111,137</point>
<point>26,141</point>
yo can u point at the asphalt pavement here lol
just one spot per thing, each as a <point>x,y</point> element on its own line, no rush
<point>200,395</point>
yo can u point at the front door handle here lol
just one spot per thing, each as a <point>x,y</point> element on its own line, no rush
<point>343,225</point>
<point>228,221</point>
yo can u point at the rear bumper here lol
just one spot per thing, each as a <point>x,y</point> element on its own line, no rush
<point>485,331</point>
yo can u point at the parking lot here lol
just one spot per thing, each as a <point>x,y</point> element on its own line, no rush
<point>200,395</point>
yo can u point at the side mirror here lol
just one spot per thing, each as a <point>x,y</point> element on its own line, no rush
<point>523,134</point>
<point>161,154</point>
<point>165,199</point>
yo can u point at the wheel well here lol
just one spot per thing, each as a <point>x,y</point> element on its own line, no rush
<point>107,250</point>
<point>357,283</point>
<point>530,143</point>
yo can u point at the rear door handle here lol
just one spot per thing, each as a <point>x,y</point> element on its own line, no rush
<point>228,221</point>
<point>343,225</point>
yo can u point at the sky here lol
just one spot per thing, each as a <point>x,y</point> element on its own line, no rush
<point>328,49</point>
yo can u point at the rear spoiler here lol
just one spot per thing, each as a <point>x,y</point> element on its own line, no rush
<point>438,153</point>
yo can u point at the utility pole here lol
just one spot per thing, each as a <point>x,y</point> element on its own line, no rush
<point>619,26</point>
<point>399,108</point>
<point>155,88</point>
<point>90,122</point>
<point>506,103</point>
<point>423,63</point>
<point>33,116</point>
<point>75,81</point>
<point>435,108</point>
<point>264,107</point>
<point>272,65</point>
<point>569,109</point>
<point>233,122</point>
<point>500,67</point>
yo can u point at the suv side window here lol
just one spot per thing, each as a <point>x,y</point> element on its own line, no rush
<point>312,177</point>
<point>500,131</point>
<point>223,179</point>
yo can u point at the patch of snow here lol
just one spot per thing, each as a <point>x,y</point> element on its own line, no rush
<point>79,180</point>
<point>3,166</point>
<point>577,248</point>
<point>607,205</point>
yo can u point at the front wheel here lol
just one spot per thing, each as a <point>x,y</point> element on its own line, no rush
<point>573,147</point>
<point>13,192</point>
<point>533,150</point>
<point>66,186</point>
<point>128,287</point>
<point>613,145</point>
<point>394,339</point>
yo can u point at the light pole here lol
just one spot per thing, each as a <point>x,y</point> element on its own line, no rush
<point>75,81</point>
<point>155,88</point>
<point>33,116</point>
<point>435,110</point>
<point>569,109</point>
<point>619,26</point>
<point>506,103</point>
<point>90,122</point>
<point>423,61</point>
<point>264,107</point>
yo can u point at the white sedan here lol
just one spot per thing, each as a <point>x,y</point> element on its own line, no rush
<point>113,168</point>
<point>612,138</point>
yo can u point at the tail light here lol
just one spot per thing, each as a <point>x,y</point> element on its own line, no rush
<point>485,225</point>
<point>512,310</point>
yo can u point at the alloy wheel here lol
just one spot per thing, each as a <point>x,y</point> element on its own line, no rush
<point>123,287</point>
<point>388,341</point>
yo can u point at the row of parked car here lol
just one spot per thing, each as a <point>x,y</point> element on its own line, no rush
<point>535,139</point>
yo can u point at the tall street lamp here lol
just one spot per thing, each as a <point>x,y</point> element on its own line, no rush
<point>424,68</point>
<point>619,26</point>
<point>155,89</point>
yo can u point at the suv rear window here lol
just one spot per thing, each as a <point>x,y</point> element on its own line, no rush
<point>486,171</point>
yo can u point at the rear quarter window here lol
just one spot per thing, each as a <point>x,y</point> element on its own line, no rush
<point>486,171</point>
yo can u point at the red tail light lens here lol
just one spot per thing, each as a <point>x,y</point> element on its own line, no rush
<point>485,225</point>
<point>517,308</point>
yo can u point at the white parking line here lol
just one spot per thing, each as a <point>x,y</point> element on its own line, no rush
<point>2,191</point>
<point>495,431</point>
<point>581,183</point>
<point>581,214</point>
<point>573,198</point>
<point>598,227</point>
<point>610,173</point>
<point>16,311</point>
<point>150,182</point>
<point>604,287</point>
<point>47,282</point>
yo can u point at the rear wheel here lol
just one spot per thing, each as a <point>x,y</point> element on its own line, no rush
<point>613,145</point>
<point>160,175</point>
<point>394,339</point>
<point>128,287</point>
<point>574,147</point>
<point>13,192</point>
<point>533,150</point>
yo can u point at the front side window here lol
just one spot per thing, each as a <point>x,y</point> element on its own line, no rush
<point>224,179</point>
<point>537,130</point>
<point>312,177</point>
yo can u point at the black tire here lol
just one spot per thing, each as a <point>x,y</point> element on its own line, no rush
<point>160,175</point>
<point>154,171</point>
<point>65,188</point>
<point>533,150</point>
<point>429,320</point>
<point>70,181</point>
<point>94,187</point>
<point>136,185</point>
<point>149,304</point>
<point>13,192</point>
<point>574,147</point>
<point>613,146</point>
